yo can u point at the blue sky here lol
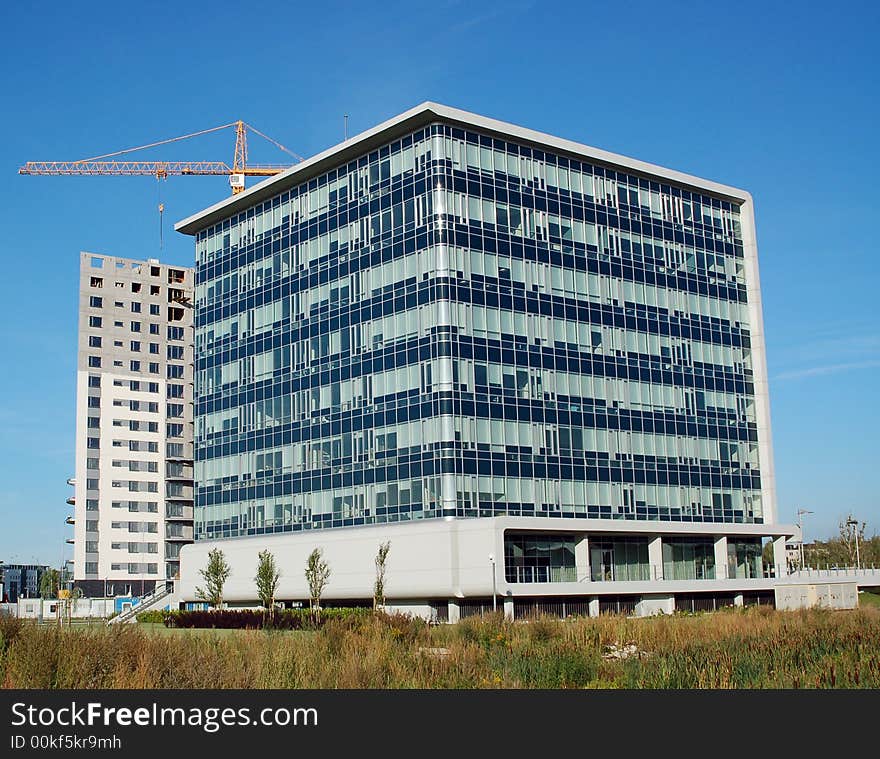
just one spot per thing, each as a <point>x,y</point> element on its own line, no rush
<point>777,98</point>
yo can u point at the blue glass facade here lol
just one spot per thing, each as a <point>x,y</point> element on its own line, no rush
<point>456,324</point>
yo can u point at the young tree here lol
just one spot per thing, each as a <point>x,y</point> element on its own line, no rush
<point>379,585</point>
<point>317,575</point>
<point>49,584</point>
<point>267,581</point>
<point>215,575</point>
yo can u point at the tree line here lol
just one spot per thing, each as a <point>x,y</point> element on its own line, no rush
<point>317,574</point>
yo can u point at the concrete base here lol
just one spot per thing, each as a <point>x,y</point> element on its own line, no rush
<point>831,595</point>
<point>659,604</point>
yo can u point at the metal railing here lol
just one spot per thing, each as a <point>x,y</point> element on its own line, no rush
<point>836,571</point>
<point>542,574</point>
<point>144,604</point>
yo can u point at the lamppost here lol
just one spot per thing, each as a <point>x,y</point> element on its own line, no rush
<point>494,593</point>
<point>854,523</point>
<point>800,516</point>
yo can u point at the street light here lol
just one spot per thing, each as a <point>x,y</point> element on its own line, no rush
<point>800,516</point>
<point>855,523</point>
<point>494,593</point>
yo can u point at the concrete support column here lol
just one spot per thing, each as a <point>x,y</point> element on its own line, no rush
<point>594,607</point>
<point>582,559</point>
<point>721,572</point>
<point>655,558</point>
<point>780,560</point>
<point>453,613</point>
<point>508,608</point>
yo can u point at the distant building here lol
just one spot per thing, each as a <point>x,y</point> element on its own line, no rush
<point>535,366</point>
<point>20,581</point>
<point>133,484</point>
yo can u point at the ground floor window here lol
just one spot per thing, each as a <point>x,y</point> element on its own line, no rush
<point>744,558</point>
<point>688,559</point>
<point>619,559</point>
<point>539,558</point>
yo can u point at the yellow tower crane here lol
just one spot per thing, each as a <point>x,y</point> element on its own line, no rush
<point>99,165</point>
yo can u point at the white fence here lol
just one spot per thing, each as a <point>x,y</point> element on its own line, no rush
<point>48,609</point>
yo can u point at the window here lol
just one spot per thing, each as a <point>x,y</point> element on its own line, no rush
<point>175,371</point>
<point>135,307</point>
<point>93,443</point>
<point>95,321</point>
<point>97,263</point>
<point>154,309</point>
<point>153,387</point>
<point>96,302</point>
<point>94,341</point>
<point>175,333</point>
<point>135,287</point>
<point>154,347</point>
<point>175,391</point>
<point>154,368</point>
<point>93,422</point>
<point>94,380</point>
<point>95,362</point>
<point>135,366</point>
<point>154,290</point>
<point>119,304</point>
<point>135,326</point>
<point>96,282</point>
<point>135,346</point>
<point>94,401</point>
<point>91,567</point>
<point>175,352</point>
<point>154,329</point>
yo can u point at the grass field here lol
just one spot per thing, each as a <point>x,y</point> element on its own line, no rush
<point>157,628</point>
<point>736,648</point>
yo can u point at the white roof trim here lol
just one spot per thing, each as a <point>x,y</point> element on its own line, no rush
<point>416,118</point>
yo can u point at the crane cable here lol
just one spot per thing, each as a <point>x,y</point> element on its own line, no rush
<point>161,217</point>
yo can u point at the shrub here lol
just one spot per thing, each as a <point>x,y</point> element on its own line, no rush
<point>151,616</point>
<point>256,619</point>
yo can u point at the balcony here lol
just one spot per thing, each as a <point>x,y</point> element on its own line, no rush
<point>179,512</point>
<point>179,470</point>
<point>541,574</point>
<point>70,520</point>
<point>69,540</point>
<point>71,481</point>
<point>71,501</point>
<point>178,532</point>
<point>176,491</point>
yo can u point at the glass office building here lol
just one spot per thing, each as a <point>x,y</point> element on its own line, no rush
<point>453,317</point>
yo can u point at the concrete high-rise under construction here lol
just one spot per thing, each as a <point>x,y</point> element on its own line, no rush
<point>133,507</point>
